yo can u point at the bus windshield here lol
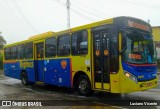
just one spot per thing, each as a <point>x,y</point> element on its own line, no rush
<point>139,48</point>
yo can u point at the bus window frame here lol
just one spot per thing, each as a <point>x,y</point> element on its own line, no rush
<point>46,47</point>
<point>14,46</point>
<point>32,51</point>
<point>23,51</point>
<point>84,54</point>
<point>9,53</point>
<point>117,35</point>
<point>69,44</point>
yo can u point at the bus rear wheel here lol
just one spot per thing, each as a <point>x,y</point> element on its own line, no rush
<point>24,79</point>
<point>84,85</point>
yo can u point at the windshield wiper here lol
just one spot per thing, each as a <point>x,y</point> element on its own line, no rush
<point>124,49</point>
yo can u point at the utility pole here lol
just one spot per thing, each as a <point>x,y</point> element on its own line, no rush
<point>148,21</point>
<point>68,14</point>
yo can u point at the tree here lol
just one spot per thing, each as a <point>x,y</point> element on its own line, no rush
<point>2,42</point>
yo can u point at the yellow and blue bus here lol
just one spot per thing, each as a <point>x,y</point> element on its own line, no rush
<point>115,55</point>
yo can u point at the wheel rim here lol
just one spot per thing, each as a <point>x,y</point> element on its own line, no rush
<point>83,86</point>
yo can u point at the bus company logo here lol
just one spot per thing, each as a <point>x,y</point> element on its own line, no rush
<point>106,52</point>
<point>26,64</point>
<point>141,76</point>
<point>97,53</point>
<point>64,64</point>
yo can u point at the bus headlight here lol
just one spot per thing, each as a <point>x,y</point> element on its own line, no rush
<point>131,76</point>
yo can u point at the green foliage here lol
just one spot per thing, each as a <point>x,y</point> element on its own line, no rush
<point>1,61</point>
<point>2,42</point>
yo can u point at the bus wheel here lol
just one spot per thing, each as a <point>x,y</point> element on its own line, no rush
<point>24,79</point>
<point>84,85</point>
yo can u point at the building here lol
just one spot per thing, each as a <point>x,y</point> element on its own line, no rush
<point>156,33</point>
<point>156,38</point>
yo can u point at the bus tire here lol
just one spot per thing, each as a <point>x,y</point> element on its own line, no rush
<point>24,79</point>
<point>84,85</point>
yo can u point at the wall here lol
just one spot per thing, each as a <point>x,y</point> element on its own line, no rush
<point>156,38</point>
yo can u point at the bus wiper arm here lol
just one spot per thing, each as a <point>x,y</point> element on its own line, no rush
<point>124,49</point>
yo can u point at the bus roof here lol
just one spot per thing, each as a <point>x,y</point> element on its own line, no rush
<point>41,35</point>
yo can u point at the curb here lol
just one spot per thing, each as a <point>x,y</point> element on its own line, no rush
<point>155,90</point>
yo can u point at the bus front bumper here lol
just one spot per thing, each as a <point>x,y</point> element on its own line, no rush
<point>140,86</point>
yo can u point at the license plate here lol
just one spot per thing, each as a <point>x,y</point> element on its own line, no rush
<point>149,84</point>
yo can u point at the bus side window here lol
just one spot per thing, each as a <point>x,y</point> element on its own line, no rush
<point>40,50</point>
<point>29,50</point>
<point>40,53</point>
<point>7,53</point>
<point>13,53</point>
<point>80,42</point>
<point>114,54</point>
<point>63,43</point>
<point>50,47</point>
<point>20,51</point>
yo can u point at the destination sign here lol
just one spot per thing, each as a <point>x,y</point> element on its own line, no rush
<point>138,25</point>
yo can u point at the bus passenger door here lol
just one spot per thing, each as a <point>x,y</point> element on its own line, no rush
<point>39,61</point>
<point>101,60</point>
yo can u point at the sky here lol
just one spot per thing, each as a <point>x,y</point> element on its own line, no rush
<point>20,19</point>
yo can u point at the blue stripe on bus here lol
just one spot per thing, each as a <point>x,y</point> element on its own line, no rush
<point>49,71</point>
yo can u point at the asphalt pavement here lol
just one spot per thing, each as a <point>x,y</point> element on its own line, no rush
<point>12,89</point>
